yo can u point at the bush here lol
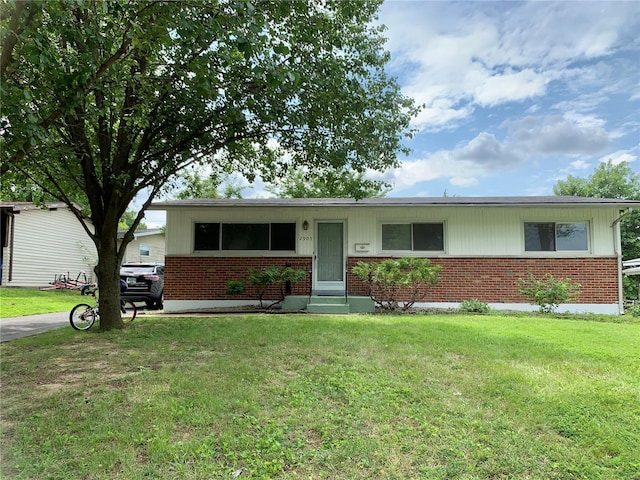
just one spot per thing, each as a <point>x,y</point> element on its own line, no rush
<point>548,293</point>
<point>633,309</point>
<point>262,279</point>
<point>474,306</point>
<point>393,279</point>
<point>235,287</point>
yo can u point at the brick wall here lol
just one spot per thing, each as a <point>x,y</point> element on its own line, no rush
<point>205,278</point>
<point>496,279</point>
<point>487,279</point>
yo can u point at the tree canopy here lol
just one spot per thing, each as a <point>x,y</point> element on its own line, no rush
<point>197,183</point>
<point>328,183</point>
<point>109,99</point>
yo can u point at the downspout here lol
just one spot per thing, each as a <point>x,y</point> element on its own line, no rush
<point>617,242</point>
<point>11,239</point>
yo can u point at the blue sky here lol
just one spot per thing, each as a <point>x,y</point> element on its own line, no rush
<point>517,95</point>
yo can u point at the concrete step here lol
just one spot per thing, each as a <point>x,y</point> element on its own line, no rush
<point>327,300</point>
<point>328,308</point>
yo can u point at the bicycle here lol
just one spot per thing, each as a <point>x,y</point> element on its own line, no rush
<point>83,315</point>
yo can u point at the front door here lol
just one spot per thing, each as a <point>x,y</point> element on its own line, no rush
<point>329,259</point>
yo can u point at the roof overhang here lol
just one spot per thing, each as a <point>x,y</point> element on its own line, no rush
<point>631,271</point>
<point>547,201</point>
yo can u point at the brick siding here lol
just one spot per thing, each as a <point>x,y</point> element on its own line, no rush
<point>205,278</point>
<point>490,279</point>
<point>496,279</point>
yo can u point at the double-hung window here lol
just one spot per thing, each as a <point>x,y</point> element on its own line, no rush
<point>556,237</point>
<point>245,236</point>
<point>413,237</point>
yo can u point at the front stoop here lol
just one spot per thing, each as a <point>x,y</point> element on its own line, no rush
<point>318,304</point>
<point>329,304</point>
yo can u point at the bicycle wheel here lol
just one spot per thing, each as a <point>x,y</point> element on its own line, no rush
<point>82,316</point>
<point>129,310</point>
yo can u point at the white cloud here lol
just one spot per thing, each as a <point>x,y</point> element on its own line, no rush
<point>462,166</point>
<point>579,165</point>
<point>464,181</point>
<point>557,135</point>
<point>486,150</point>
<point>454,56</point>
<point>620,156</point>
<point>436,166</point>
<point>532,136</point>
<point>509,87</point>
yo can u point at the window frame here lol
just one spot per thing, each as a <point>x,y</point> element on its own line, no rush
<point>556,250</point>
<point>221,242</point>
<point>412,250</point>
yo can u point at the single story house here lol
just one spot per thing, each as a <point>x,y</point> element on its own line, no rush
<point>147,246</point>
<point>484,246</point>
<point>40,244</point>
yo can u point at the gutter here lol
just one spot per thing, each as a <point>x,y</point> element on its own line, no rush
<point>617,242</point>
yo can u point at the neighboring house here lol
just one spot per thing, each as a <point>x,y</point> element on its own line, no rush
<point>632,268</point>
<point>147,246</point>
<point>484,245</point>
<point>42,243</point>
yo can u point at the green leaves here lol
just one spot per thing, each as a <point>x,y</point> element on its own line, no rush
<point>105,100</point>
<point>400,280</point>
<point>548,293</point>
<point>274,275</point>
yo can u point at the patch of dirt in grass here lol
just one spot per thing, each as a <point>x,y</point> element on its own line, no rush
<point>313,439</point>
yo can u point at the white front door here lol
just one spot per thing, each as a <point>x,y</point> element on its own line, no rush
<point>329,268</point>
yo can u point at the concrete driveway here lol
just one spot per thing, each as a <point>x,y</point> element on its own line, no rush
<point>12,328</point>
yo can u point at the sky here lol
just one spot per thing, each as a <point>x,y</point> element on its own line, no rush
<point>515,95</point>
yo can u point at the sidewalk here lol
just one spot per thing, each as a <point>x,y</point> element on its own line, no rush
<point>17,327</point>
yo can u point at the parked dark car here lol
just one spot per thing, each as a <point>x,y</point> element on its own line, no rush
<point>145,283</point>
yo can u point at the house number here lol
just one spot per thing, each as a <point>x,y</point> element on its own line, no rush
<point>307,238</point>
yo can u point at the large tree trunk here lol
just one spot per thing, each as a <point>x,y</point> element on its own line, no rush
<point>108,272</point>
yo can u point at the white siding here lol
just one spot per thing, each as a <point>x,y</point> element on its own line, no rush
<point>156,244</point>
<point>47,243</point>
<point>469,231</point>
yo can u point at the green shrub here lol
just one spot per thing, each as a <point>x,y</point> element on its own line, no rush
<point>263,278</point>
<point>548,293</point>
<point>392,279</point>
<point>630,286</point>
<point>633,309</point>
<point>474,306</point>
<point>235,287</point>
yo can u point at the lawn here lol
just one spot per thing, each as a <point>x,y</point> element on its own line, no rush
<point>16,302</point>
<point>341,397</point>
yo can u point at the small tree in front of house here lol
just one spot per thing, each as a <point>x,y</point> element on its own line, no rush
<point>393,279</point>
<point>263,278</point>
<point>549,292</point>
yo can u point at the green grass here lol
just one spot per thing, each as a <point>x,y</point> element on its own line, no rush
<point>302,396</point>
<point>17,302</point>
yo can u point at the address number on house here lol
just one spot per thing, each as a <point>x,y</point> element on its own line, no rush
<point>305,238</point>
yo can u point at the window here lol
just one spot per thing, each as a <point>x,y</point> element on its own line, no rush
<point>283,236</point>
<point>413,236</point>
<point>207,236</point>
<point>144,250</point>
<point>245,236</point>
<point>555,237</point>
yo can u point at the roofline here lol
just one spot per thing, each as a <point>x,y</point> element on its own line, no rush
<point>24,206</point>
<point>547,201</point>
